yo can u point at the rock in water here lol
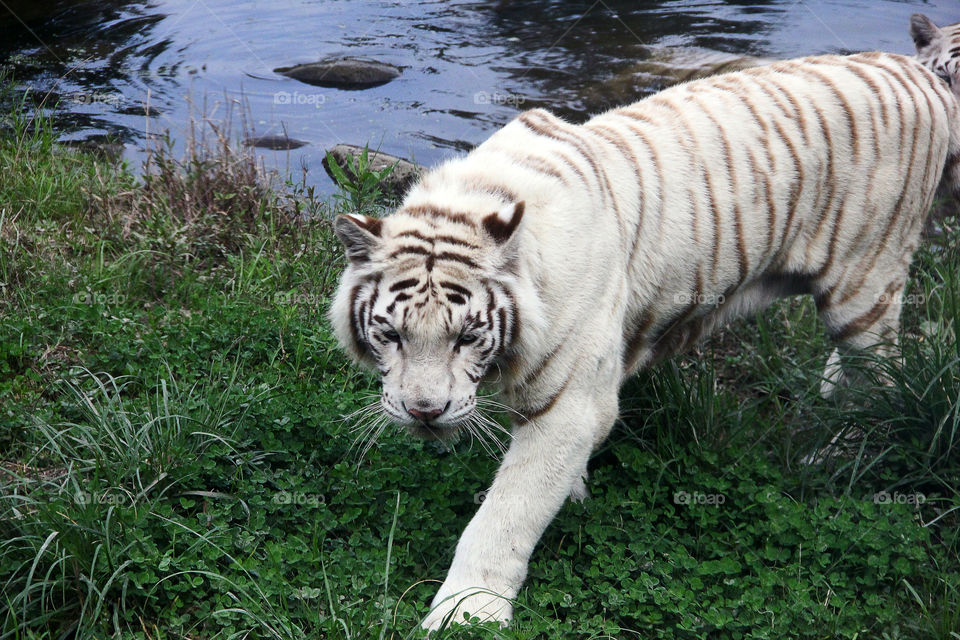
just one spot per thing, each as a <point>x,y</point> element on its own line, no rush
<point>675,64</point>
<point>342,73</point>
<point>106,147</point>
<point>399,180</point>
<point>277,143</point>
<point>665,67</point>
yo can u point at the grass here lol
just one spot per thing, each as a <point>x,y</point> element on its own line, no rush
<point>175,462</point>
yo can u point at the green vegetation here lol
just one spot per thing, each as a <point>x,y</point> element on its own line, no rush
<point>360,189</point>
<point>175,462</point>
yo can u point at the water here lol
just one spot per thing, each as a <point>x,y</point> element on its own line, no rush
<point>126,69</point>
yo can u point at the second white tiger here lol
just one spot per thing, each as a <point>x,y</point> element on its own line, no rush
<point>557,259</point>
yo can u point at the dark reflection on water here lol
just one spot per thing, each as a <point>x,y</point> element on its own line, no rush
<point>468,66</point>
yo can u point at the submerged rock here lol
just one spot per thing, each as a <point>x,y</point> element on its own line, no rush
<point>342,73</point>
<point>673,65</point>
<point>399,180</point>
<point>103,146</point>
<point>665,67</point>
<point>277,143</point>
<point>139,109</point>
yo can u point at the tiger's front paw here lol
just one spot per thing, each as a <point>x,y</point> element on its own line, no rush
<point>453,601</point>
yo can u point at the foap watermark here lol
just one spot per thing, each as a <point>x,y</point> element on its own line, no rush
<point>98,298</point>
<point>109,98</point>
<point>699,298</point>
<point>479,497</point>
<point>498,97</point>
<point>291,299</point>
<point>885,497</point>
<point>110,498</point>
<point>299,498</point>
<point>903,299</point>
<point>296,98</point>
<point>698,498</point>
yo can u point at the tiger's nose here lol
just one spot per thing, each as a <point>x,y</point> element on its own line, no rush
<point>426,415</point>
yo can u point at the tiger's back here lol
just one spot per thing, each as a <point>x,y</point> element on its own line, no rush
<point>810,176</point>
<point>710,199</point>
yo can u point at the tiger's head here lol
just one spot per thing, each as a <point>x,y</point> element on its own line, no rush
<point>938,49</point>
<point>429,299</point>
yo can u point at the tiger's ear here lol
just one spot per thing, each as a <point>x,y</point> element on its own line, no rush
<point>503,223</point>
<point>923,31</point>
<point>359,235</point>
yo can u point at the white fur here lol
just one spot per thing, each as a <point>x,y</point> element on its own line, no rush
<point>936,47</point>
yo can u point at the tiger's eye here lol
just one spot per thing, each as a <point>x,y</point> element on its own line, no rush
<point>468,338</point>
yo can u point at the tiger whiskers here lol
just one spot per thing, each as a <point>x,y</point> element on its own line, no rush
<point>480,435</point>
<point>487,432</point>
<point>362,415</point>
<point>377,426</point>
<point>370,434</point>
<point>372,420</point>
<point>370,409</point>
<point>488,404</point>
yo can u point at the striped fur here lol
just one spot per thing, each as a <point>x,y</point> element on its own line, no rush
<point>572,255</point>
<point>938,49</point>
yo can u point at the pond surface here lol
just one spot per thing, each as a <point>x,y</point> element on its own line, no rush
<point>127,69</point>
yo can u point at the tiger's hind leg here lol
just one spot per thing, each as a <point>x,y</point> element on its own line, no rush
<point>862,315</point>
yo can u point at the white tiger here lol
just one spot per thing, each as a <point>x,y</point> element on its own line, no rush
<point>555,259</point>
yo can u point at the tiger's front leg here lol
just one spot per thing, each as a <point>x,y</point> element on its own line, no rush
<point>544,462</point>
